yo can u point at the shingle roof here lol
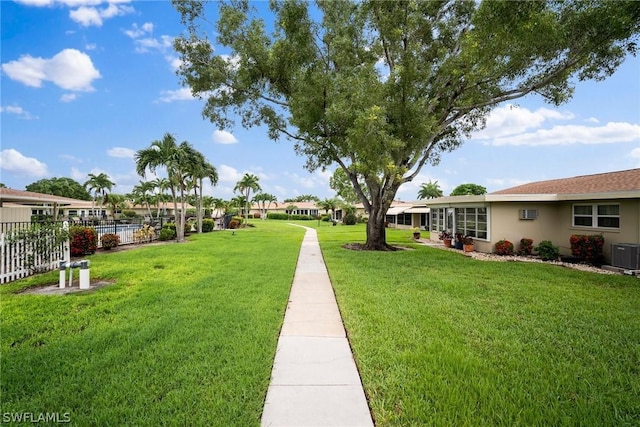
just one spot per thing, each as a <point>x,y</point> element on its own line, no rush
<point>19,196</point>
<point>628,180</point>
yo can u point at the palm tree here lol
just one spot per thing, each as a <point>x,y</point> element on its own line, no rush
<point>202,170</point>
<point>430,190</point>
<point>143,192</point>
<point>161,185</point>
<point>264,201</point>
<point>247,184</point>
<point>116,202</point>
<point>99,184</point>
<point>329,205</point>
<point>176,159</point>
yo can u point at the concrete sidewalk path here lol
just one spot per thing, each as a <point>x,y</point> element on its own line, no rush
<point>314,381</point>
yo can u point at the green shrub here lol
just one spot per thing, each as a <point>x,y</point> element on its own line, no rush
<point>504,247</point>
<point>350,219</point>
<point>277,215</point>
<point>547,251</point>
<point>208,225</point>
<point>109,241</point>
<point>588,248</point>
<point>326,217</point>
<point>526,247</point>
<point>167,234</point>
<point>284,216</point>
<point>84,240</point>
<point>128,214</point>
<point>170,226</point>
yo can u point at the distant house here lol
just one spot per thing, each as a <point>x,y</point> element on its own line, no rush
<point>606,204</point>
<point>20,206</point>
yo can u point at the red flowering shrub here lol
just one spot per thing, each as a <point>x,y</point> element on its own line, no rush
<point>588,248</point>
<point>84,240</point>
<point>504,247</point>
<point>526,247</point>
<point>234,224</point>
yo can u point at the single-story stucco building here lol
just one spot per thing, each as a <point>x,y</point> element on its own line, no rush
<point>607,204</point>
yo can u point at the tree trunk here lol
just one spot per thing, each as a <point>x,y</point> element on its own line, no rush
<point>376,231</point>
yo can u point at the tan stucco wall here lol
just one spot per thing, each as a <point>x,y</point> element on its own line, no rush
<point>554,223</point>
<point>17,214</point>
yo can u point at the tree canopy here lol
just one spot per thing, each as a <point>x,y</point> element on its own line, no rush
<point>63,187</point>
<point>383,88</point>
<point>469,190</point>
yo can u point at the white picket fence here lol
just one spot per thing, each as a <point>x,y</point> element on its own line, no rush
<point>21,258</point>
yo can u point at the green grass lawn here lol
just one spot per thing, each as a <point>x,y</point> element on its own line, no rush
<point>185,335</point>
<point>442,339</point>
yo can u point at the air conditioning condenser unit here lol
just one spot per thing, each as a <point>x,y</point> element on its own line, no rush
<point>625,255</point>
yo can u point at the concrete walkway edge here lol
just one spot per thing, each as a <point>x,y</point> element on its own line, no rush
<point>314,381</point>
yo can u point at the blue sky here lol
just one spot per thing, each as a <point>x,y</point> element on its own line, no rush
<point>86,83</point>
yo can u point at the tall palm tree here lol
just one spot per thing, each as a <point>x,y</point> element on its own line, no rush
<point>99,184</point>
<point>143,192</point>
<point>176,160</point>
<point>247,184</point>
<point>161,185</point>
<point>200,171</point>
<point>430,190</point>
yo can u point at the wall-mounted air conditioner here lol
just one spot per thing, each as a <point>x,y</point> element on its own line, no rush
<point>625,255</point>
<point>528,213</point>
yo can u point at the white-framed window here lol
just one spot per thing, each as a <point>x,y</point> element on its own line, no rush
<point>473,222</point>
<point>596,215</point>
<point>438,219</point>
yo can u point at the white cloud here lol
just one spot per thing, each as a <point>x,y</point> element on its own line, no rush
<point>136,32</point>
<point>307,182</point>
<point>183,94</point>
<point>612,132</point>
<point>228,174</point>
<point>81,177</point>
<point>592,120</point>
<point>149,44</point>
<point>91,46</point>
<point>635,154</point>
<point>120,152</point>
<point>511,120</point>
<point>69,69</point>
<point>174,61</point>
<point>13,161</point>
<point>223,137</point>
<point>18,111</point>
<point>87,15</point>
<point>68,97</point>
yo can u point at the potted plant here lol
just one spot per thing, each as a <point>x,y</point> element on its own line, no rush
<point>467,243</point>
<point>459,238</point>
<point>446,236</point>
<point>416,232</point>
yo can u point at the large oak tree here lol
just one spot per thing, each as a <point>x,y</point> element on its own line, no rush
<point>382,88</point>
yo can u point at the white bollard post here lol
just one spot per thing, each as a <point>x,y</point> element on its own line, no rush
<point>84,275</point>
<point>63,270</point>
